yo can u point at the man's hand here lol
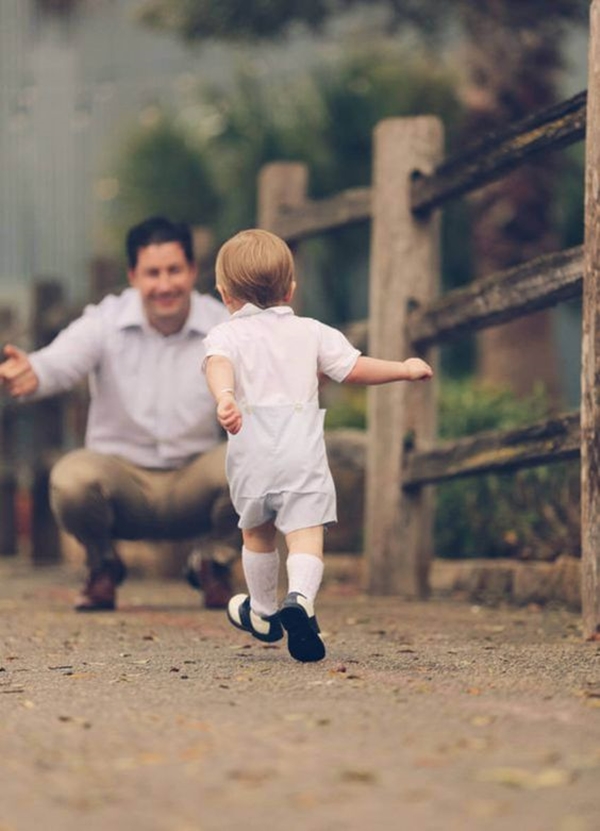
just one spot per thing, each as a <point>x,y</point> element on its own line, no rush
<point>417,369</point>
<point>228,413</point>
<point>16,373</point>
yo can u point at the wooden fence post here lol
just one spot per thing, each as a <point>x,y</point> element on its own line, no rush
<point>8,482</point>
<point>404,269</point>
<point>590,371</point>
<point>8,527</point>
<point>280,185</point>
<point>48,427</point>
<point>283,185</point>
<point>205,251</point>
<point>8,532</point>
<point>106,277</point>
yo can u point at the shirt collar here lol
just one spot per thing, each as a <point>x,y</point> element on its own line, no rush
<point>197,319</point>
<point>132,314</point>
<point>249,309</point>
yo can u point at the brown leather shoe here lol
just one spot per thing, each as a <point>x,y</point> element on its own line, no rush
<point>100,591</point>
<point>212,579</point>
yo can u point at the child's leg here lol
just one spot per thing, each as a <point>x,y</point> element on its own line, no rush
<point>305,561</point>
<point>297,614</point>
<point>260,561</point>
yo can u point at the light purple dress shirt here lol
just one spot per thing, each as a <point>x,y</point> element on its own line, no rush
<point>149,399</point>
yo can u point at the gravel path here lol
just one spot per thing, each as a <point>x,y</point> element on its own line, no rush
<point>162,717</point>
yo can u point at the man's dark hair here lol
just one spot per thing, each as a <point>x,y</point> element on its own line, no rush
<point>154,231</point>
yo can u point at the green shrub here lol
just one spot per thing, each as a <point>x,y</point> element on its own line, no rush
<point>530,514</point>
<point>346,407</point>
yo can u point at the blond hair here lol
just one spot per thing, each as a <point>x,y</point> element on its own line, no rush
<point>256,267</point>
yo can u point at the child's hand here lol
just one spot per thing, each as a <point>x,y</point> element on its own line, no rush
<point>417,370</point>
<point>228,414</point>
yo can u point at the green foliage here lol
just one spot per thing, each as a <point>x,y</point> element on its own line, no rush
<point>467,407</point>
<point>326,120</point>
<point>530,514</point>
<point>571,192</point>
<point>240,20</point>
<point>342,107</point>
<point>260,19</point>
<point>533,513</point>
<point>231,19</point>
<point>162,173</point>
<point>255,120</point>
<point>206,171</point>
<point>346,407</point>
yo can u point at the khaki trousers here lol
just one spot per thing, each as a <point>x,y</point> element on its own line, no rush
<point>99,498</point>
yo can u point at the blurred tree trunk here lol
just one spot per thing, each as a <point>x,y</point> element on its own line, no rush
<point>512,57</point>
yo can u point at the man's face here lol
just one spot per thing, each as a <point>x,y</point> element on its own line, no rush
<point>164,279</point>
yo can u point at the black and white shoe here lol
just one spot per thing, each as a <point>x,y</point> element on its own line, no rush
<point>265,628</point>
<point>297,615</point>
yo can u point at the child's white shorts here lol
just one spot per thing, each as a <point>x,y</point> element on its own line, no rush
<point>288,510</point>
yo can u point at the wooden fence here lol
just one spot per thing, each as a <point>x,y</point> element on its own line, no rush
<point>408,316</point>
<point>34,435</point>
<point>31,438</point>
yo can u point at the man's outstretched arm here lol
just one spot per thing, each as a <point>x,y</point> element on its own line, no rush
<point>16,373</point>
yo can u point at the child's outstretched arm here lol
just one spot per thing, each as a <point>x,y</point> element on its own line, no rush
<point>378,371</point>
<point>220,378</point>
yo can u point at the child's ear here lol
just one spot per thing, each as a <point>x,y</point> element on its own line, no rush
<point>290,293</point>
<point>232,304</point>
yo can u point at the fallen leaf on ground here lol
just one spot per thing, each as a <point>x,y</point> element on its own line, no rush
<point>252,777</point>
<point>527,779</point>
<point>591,691</point>
<point>366,777</point>
<point>482,721</point>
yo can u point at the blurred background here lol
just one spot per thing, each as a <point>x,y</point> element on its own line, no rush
<point>112,110</point>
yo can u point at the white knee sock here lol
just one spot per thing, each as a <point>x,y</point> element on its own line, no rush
<point>305,572</point>
<point>261,571</point>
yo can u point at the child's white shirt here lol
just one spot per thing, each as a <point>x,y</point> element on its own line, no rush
<point>281,447</point>
<point>277,355</point>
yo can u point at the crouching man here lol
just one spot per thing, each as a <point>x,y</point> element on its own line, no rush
<point>153,463</point>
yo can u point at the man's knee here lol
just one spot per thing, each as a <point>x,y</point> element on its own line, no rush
<point>75,483</point>
<point>72,475</point>
<point>223,518</point>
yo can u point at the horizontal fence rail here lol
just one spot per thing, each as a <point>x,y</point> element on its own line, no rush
<point>495,451</point>
<point>556,127</point>
<point>319,215</point>
<point>498,153</point>
<point>506,295</point>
